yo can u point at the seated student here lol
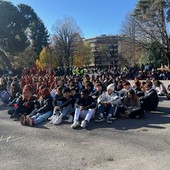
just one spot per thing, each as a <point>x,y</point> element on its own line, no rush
<point>57,96</point>
<point>89,87</point>
<point>15,92</point>
<point>168,92</point>
<point>160,88</point>
<point>65,109</point>
<point>150,100</point>
<point>123,92</point>
<point>74,93</point>
<point>131,106</point>
<point>85,109</point>
<point>24,103</point>
<point>36,104</point>
<point>99,90</point>
<point>137,87</point>
<point>56,101</point>
<point>3,84</point>
<point>4,94</point>
<point>43,112</point>
<point>107,102</point>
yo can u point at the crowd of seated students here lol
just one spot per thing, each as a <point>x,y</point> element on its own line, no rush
<point>37,98</point>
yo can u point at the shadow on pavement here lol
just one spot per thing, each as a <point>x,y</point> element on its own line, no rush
<point>151,120</point>
<point>155,119</point>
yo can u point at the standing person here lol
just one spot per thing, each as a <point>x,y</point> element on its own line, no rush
<point>150,100</point>
<point>85,109</point>
<point>107,102</point>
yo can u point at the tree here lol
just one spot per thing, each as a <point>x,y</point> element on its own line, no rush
<point>46,59</point>
<point>108,49</point>
<point>129,46</point>
<point>152,55</point>
<point>88,56</point>
<point>13,37</point>
<point>152,17</point>
<point>83,56</point>
<point>24,59</point>
<point>66,38</point>
<point>37,31</point>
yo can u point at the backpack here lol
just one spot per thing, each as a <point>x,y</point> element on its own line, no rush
<point>5,96</point>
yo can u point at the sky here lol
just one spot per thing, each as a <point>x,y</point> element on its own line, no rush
<point>94,17</point>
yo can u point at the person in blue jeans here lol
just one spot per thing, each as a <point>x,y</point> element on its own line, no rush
<point>42,112</point>
<point>107,103</point>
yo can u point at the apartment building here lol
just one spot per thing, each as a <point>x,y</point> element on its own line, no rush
<point>105,51</point>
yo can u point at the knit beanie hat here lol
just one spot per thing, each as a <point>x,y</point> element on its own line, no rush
<point>111,86</point>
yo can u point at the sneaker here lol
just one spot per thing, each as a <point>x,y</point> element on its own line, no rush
<point>70,119</point>
<point>99,119</point>
<point>83,123</point>
<point>50,118</point>
<point>57,121</point>
<point>22,120</point>
<point>54,119</point>
<point>29,121</point>
<point>109,120</point>
<point>75,124</point>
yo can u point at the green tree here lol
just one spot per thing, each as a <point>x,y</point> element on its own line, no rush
<point>37,31</point>
<point>24,59</point>
<point>152,17</point>
<point>13,37</point>
<point>152,55</point>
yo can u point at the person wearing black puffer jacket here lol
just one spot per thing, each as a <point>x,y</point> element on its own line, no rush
<point>150,100</point>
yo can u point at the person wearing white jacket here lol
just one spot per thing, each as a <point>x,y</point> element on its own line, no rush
<point>107,103</point>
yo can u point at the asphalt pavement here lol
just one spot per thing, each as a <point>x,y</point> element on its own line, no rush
<point>126,144</point>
